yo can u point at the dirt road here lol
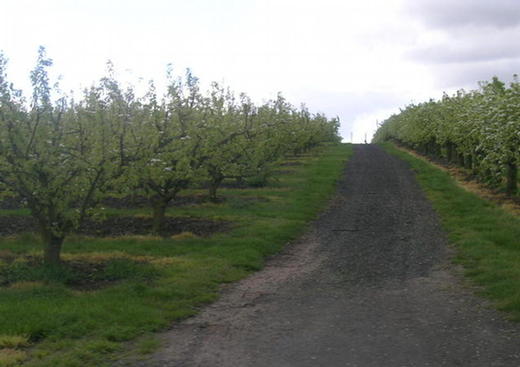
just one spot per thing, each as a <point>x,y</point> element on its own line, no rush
<point>369,285</point>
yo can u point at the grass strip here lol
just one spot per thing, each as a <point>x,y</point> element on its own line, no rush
<point>149,282</point>
<point>486,237</point>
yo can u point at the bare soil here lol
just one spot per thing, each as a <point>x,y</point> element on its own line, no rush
<point>370,285</point>
<point>130,202</point>
<point>121,226</point>
<point>126,202</point>
<point>11,202</point>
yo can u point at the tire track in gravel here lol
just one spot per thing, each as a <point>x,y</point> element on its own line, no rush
<point>369,285</point>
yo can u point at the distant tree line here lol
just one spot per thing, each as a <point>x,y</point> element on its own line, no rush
<point>478,129</point>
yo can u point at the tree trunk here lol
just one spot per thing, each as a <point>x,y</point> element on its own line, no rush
<point>212,192</point>
<point>488,175</point>
<point>159,211</point>
<point>449,151</point>
<point>213,187</point>
<point>512,178</point>
<point>454,155</point>
<point>437,150</point>
<point>476,169</point>
<point>460,159</point>
<point>240,181</point>
<point>468,162</point>
<point>52,249</point>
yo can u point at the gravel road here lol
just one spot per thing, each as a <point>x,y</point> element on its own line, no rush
<point>370,284</point>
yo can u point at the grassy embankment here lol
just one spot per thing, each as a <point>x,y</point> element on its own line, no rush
<point>487,237</point>
<point>141,284</point>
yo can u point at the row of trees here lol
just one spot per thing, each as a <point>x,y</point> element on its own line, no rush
<point>479,130</point>
<point>63,156</point>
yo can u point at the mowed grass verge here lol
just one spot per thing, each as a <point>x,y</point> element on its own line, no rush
<point>143,283</point>
<point>486,237</point>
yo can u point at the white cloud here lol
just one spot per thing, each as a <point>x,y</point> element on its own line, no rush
<point>465,41</point>
<point>449,14</point>
<point>348,58</point>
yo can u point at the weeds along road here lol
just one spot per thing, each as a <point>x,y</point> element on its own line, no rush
<point>369,285</point>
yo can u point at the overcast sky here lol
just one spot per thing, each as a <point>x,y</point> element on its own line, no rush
<point>360,60</point>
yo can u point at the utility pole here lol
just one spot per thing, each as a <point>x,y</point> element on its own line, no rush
<point>351,138</point>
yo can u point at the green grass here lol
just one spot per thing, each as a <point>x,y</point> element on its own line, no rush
<point>149,282</point>
<point>487,238</point>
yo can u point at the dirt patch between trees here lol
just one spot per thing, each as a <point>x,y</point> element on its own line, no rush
<point>127,202</point>
<point>11,203</point>
<point>370,285</point>
<point>130,202</point>
<point>122,226</point>
<point>133,202</point>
